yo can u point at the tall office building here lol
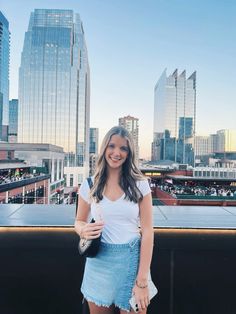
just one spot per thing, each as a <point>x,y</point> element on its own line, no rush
<point>213,143</point>
<point>226,140</point>
<point>132,125</point>
<point>202,145</point>
<point>54,88</point>
<point>93,141</point>
<point>13,121</point>
<point>174,117</point>
<point>93,150</point>
<point>4,76</point>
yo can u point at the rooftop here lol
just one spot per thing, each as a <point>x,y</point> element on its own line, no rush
<point>187,217</point>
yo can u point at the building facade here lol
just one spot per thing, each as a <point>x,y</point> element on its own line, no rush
<point>93,150</point>
<point>4,76</point>
<point>226,140</point>
<point>132,125</point>
<point>43,159</point>
<point>54,86</point>
<point>174,118</point>
<point>202,145</point>
<point>93,141</point>
<point>13,121</point>
<point>215,148</point>
<point>215,172</point>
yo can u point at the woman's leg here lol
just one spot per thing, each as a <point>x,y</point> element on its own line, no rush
<point>95,309</point>
<point>132,312</point>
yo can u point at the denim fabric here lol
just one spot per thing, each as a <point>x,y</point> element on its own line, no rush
<point>110,276</point>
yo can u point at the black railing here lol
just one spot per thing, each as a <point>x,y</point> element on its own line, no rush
<point>16,184</point>
<point>41,271</point>
<point>193,262</point>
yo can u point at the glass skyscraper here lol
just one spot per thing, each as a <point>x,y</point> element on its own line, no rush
<point>54,85</point>
<point>4,76</point>
<point>13,121</point>
<point>93,141</point>
<point>174,117</point>
<point>93,150</point>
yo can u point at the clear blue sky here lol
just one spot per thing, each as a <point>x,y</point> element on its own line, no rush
<point>131,42</point>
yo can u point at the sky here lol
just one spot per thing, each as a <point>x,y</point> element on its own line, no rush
<point>131,42</point>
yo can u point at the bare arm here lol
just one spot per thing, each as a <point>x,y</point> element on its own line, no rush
<point>81,219</point>
<point>82,227</point>
<point>141,294</point>
<point>147,238</point>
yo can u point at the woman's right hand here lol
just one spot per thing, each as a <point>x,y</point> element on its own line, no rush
<point>91,230</point>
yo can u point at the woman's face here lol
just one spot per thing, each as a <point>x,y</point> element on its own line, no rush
<point>116,152</point>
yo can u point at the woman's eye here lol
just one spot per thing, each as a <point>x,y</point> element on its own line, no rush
<point>125,149</point>
<point>111,145</point>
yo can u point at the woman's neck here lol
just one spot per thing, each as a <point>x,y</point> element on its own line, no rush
<point>114,175</point>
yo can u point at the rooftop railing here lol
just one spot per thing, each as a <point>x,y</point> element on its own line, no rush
<point>193,262</point>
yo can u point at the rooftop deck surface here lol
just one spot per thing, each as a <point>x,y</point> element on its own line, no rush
<point>202,217</point>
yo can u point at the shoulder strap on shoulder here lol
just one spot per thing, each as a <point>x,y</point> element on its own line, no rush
<point>90,182</point>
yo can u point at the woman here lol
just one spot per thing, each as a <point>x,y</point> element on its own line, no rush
<point>119,201</point>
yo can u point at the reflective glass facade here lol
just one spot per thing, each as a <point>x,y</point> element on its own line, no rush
<point>174,117</point>
<point>4,76</point>
<point>13,121</point>
<point>93,141</point>
<point>54,79</point>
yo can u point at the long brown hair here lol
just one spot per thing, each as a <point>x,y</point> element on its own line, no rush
<point>130,173</point>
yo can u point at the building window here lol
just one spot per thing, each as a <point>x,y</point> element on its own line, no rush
<point>55,170</point>
<point>71,180</point>
<point>80,178</point>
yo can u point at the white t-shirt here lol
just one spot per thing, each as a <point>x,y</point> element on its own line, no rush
<point>121,217</point>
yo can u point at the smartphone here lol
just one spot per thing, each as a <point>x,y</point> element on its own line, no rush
<point>133,304</point>
<point>152,289</point>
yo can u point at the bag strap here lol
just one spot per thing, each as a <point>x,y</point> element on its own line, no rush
<point>98,207</point>
<point>90,182</point>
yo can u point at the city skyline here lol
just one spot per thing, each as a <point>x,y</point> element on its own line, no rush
<point>131,44</point>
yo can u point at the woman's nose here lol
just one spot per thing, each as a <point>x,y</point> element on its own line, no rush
<point>116,152</point>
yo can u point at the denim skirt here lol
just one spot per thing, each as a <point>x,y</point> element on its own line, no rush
<point>110,276</point>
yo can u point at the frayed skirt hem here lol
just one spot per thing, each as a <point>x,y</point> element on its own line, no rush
<point>98,303</point>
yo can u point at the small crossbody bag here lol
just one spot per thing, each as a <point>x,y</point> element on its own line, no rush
<point>90,248</point>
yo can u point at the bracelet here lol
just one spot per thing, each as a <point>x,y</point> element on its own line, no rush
<point>141,286</point>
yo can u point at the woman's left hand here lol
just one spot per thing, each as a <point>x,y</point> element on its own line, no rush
<point>141,297</point>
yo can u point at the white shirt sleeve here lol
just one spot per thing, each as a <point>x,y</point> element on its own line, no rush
<point>84,191</point>
<point>144,187</point>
